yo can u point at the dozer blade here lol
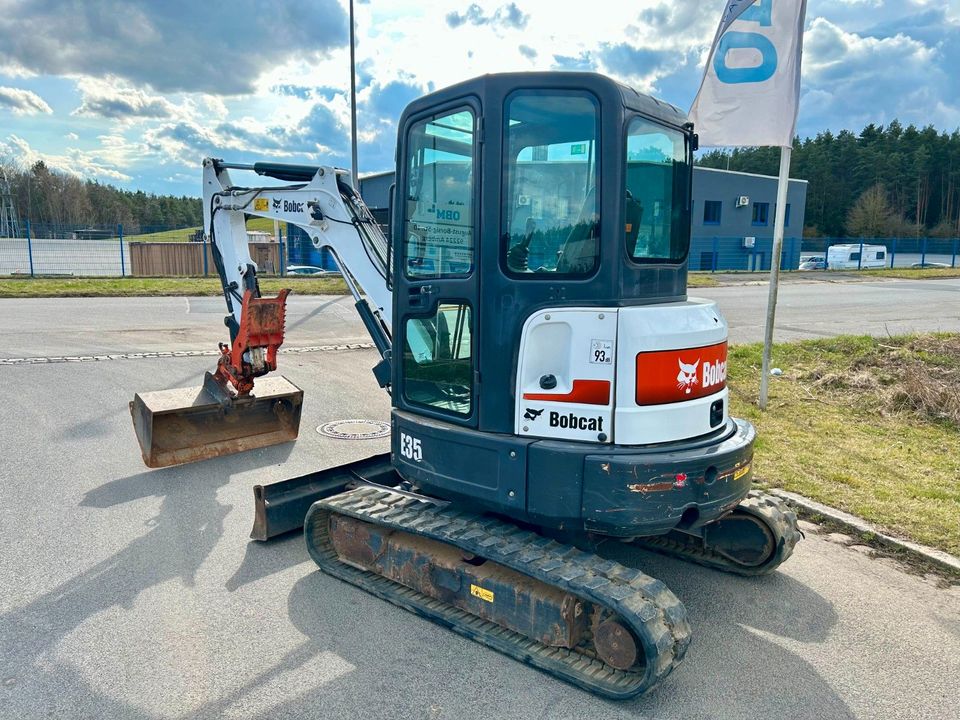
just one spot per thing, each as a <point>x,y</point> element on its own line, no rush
<point>280,507</point>
<point>189,424</point>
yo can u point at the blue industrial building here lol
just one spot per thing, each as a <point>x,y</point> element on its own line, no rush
<point>732,221</point>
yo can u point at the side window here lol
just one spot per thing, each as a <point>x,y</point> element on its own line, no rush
<point>437,360</point>
<point>656,200</point>
<point>438,213</point>
<point>550,215</point>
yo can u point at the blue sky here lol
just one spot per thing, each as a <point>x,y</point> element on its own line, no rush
<point>137,93</point>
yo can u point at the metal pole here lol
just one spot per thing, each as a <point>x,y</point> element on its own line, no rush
<point>923,252</point>
<point>353,104</point>
<point>123,269</point>
<point>30,247</point>
<point>893,253</point>
<point>860,256</point>
<point>774,271</point>
<point>953,259</point>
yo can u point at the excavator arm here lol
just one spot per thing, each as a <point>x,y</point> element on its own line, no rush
<point>233,411</point>
<point>333,215</point>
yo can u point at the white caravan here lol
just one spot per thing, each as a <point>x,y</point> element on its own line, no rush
<point>855,256</point>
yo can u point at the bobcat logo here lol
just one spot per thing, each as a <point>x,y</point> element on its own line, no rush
<point>532,414</point>
<point>276,204</point>
<point>687,377</point>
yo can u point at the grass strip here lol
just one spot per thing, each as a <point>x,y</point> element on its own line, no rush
<point>147,287</point>
<point>867,425</point>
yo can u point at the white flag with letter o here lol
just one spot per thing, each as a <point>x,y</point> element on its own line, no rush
<point>751,86</point>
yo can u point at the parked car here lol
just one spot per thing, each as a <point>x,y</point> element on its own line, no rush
<point>306,270</point>
<point>930,265</point>
<point>813,262</point>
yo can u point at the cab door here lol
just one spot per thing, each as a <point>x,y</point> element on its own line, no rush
<point>436,226</point>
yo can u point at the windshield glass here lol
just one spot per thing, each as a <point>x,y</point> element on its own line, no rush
<point>550,202</point>
<point>657,203</point>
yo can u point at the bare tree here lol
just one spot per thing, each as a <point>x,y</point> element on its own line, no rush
<point>872,216</point>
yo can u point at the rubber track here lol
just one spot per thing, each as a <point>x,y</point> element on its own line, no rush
<point>779,518</point>
<point>654,614</point>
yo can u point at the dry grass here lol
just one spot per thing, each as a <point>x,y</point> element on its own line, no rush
<point>867,425</point>
<point>918,376</point>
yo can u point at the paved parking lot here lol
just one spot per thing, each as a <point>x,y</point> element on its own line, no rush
<point>135,593</point>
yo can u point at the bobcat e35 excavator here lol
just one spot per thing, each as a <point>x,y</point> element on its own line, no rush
<point>552,385</point>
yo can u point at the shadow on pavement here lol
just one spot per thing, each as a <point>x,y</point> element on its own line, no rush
<point>181,536</point>
<point>730,670</point>
<point>263,559</point>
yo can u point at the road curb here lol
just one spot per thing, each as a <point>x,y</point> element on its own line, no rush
<point>859,526</point>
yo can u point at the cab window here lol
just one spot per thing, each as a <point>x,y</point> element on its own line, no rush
<point>550,216</point>
<point>438,220</point>
<point>657,228</point>
<point>438,360</point>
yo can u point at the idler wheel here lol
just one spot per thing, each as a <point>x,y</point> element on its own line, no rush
<point>615,644</point>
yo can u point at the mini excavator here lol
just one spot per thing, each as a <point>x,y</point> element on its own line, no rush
<point>552,385</point>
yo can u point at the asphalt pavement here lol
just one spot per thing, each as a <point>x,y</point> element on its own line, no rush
<point>90,326</point>
<point>135,593</point>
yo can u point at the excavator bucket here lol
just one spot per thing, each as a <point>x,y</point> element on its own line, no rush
<point>189,424</point>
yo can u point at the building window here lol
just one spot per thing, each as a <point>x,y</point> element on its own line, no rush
<point>786,216</point>
<point>761,213</point>
<point>711,212</point>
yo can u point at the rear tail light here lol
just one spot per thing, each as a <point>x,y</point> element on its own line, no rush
<point>716,413</point>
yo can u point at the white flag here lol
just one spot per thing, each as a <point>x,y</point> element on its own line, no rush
<point>751,85</point>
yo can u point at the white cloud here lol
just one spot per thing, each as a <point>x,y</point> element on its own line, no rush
<point>79,163</point>
<point>23,102</point>
<point>170,46</point>
<point>117,101</point>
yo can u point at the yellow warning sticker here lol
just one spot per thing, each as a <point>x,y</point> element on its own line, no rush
<point>740,472</point>
<point>261,204</point>
<point>481,593</point>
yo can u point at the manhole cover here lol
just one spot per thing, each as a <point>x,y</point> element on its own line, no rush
<point>355,429</point>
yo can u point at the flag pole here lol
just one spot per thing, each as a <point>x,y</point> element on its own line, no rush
<point>775,254</point>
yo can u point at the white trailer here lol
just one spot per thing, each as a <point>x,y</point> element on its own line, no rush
<point>854,256</point>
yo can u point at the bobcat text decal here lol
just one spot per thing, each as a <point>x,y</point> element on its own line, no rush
<point>702,372</point>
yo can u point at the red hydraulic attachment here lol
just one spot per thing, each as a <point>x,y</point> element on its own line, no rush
<point>260,336</point>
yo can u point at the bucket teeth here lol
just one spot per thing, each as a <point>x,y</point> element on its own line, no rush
<point>189,424</point>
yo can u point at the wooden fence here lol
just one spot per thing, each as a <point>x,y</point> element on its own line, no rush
<point>161,259</point>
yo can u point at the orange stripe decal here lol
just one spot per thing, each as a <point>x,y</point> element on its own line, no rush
<point>586,392</point>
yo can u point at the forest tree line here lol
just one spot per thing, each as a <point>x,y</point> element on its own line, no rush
<point>891,181</point>
<point>46,196</point>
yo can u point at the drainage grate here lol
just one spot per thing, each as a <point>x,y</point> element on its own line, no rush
<point>355,429</point>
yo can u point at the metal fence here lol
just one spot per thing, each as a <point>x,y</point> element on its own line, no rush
<point>113,251</point>
<point>867,253</point>
<point>116,251</point>
<point>724,254</point>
